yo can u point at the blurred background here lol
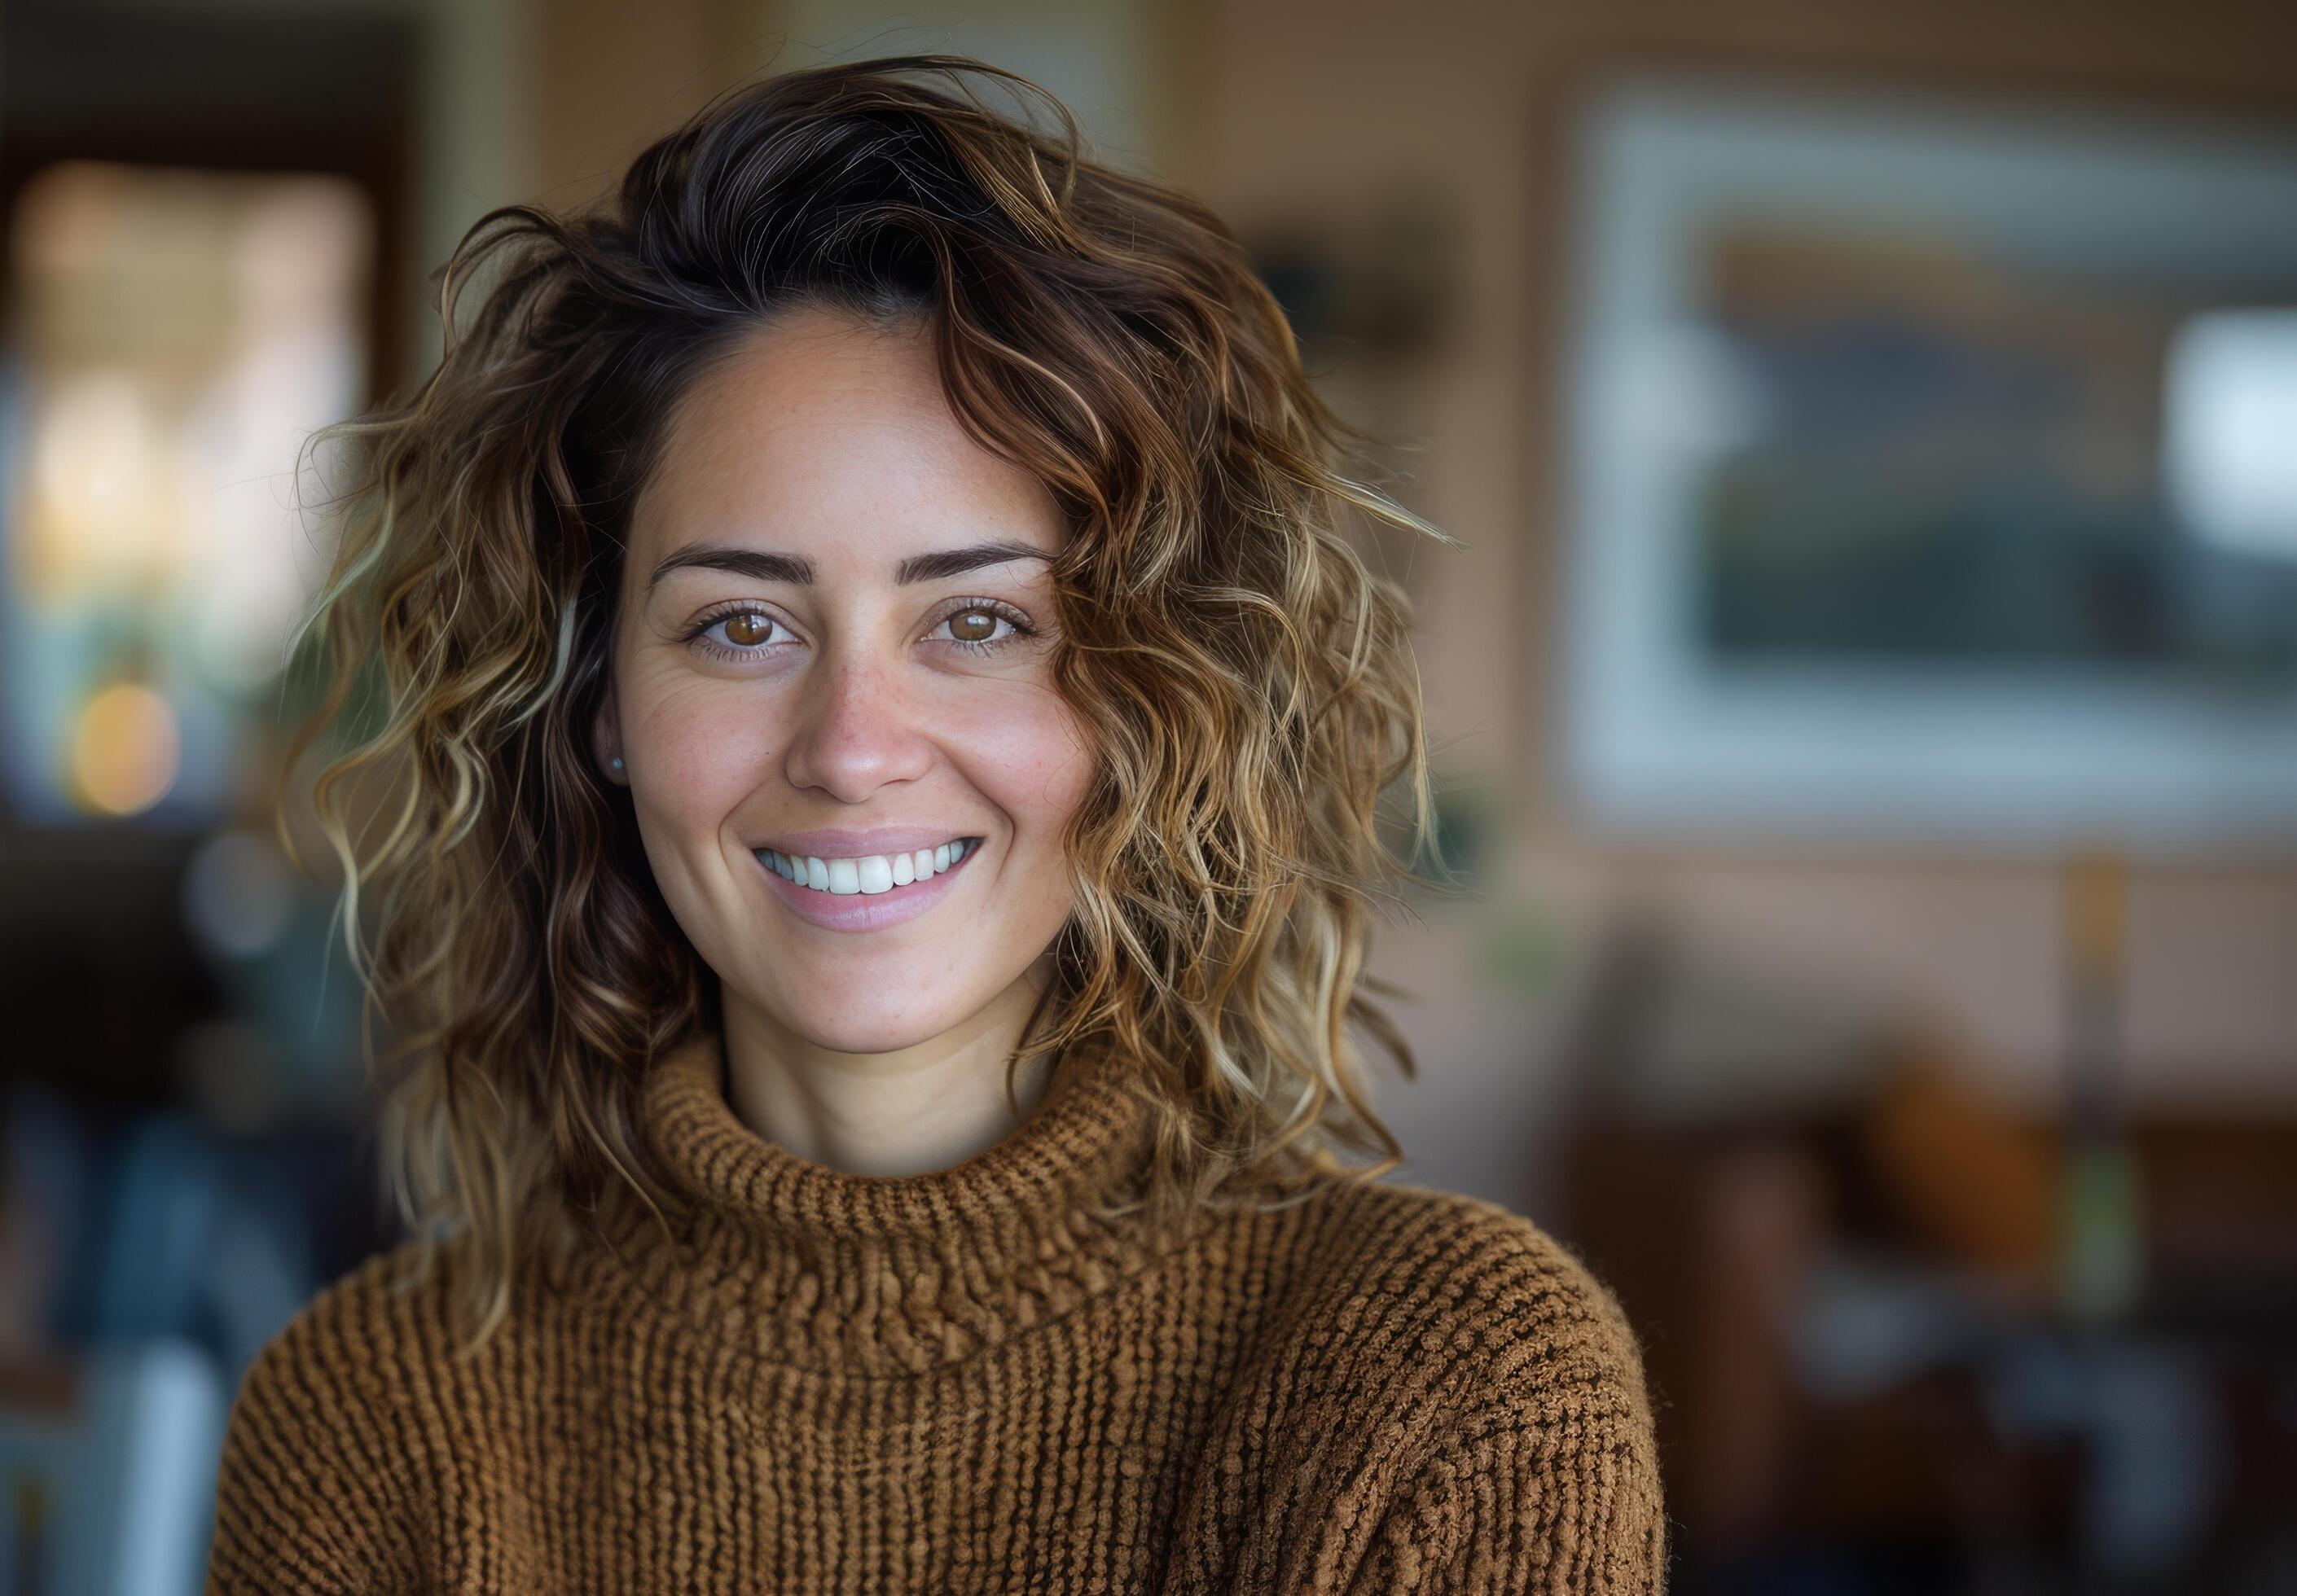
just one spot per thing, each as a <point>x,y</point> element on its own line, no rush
<point>1866,709</point>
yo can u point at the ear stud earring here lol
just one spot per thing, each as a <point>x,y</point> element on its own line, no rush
<point>615,764</point>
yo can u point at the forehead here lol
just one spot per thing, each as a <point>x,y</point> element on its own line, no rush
<point>822,435</point>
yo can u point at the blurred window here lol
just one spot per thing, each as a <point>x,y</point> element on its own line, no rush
<point>174,338</point>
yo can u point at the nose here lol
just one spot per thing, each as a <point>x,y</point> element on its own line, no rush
<point>856,729</point>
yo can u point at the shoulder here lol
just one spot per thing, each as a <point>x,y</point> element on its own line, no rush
<point>376,1279</point>
<point>374,1357</point>
<point>323,1470</point>
<point>357,1341</point>
<point>1494,1395</point>
<point>1493,1310</point>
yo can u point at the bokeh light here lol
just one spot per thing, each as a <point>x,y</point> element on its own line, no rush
<point>125,750</point>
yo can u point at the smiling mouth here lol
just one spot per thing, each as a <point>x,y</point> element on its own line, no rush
<point>869,875</point>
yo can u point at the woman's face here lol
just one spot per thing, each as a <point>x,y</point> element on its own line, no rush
<point>833,663</point>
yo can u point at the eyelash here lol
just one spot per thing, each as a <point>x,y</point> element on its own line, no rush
<point>698,636</point>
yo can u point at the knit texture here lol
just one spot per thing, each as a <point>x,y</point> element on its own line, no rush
<point>960,1381</point>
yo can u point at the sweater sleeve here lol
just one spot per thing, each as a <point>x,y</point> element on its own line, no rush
<point>311,1488</point>
<point>1509,1508</point>
<point>1541,1474</point>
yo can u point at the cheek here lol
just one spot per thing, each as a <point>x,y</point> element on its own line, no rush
<point>1046,774</point>
<point>1031,758</point>
<point>695,750</point>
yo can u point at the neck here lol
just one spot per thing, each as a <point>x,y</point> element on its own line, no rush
<point>906,1112</point>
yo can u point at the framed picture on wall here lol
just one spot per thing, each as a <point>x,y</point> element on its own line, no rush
<point>1933,472</point>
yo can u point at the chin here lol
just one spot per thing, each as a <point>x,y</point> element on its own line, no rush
<point>860,1027</point>
<point>844,1036</point>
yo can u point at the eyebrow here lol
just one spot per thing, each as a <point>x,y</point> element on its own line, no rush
<point>765,566</point>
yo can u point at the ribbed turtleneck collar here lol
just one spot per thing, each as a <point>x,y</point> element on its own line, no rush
<point>807,1265</point>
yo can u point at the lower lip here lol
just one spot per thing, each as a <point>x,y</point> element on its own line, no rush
<point>866,911</point>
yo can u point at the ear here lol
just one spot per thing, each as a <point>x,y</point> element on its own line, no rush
<point>606,739</point>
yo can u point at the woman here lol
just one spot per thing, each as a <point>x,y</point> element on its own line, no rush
<point>877,741</point>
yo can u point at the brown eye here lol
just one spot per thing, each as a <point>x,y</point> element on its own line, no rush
<point>747,630</point>
<point>972,626</point>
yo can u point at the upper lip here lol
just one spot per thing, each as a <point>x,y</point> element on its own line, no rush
<point>835,844</point>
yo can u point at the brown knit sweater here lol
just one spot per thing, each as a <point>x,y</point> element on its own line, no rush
<point>957,1382</point>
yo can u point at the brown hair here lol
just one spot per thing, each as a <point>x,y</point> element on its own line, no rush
<point>1248,681</point>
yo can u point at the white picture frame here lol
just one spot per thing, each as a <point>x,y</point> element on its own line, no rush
<point>1656,740</point>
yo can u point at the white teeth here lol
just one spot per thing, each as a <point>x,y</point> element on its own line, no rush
<point>877,873</point>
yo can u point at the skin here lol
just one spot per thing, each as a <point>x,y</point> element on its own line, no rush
<point>879,1052</point>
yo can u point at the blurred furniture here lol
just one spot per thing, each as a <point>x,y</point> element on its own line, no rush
<point>143,1264</point>
<point>109,1466</point>
<point>1864,1373</point>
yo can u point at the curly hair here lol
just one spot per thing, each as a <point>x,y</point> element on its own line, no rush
<point>1247,682</point>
